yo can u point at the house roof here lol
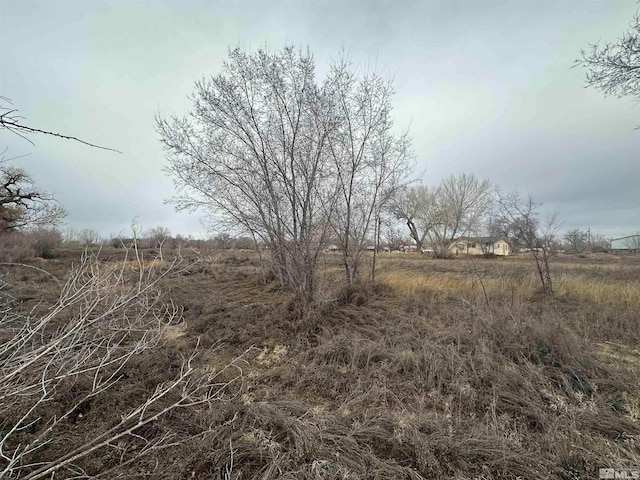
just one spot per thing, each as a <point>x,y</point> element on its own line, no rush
<point>486,239</point>
<point>624,238</point>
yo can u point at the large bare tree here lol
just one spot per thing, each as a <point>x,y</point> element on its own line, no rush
<point>444,214</point>
<point>577,239</point>
<point>23,204</point>
<point>461,204</point>
<point>413,205</point>
<point>158,236</point>
<point>253,153</point>
<point>269,150</point>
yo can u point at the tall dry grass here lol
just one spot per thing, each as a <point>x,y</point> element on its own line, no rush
<point>597,285</point>
<point>417,377</point>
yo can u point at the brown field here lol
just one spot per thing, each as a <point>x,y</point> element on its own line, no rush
<point>444,369</point>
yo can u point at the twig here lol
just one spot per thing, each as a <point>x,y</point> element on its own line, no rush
<point>10,264</point>
<point>12,126</point>
<point>9,120</point>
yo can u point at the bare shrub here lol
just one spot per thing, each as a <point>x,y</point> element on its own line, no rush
<point>16,247</point>
<point>360,294</point>
<point>521,216</point>
<point>88,237</point>
<point>117,241</point>
<point>45,240</point>
<point>56,363</point>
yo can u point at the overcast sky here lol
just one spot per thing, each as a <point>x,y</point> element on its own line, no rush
<point>485,87</point>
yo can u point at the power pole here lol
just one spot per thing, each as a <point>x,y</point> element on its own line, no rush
<point>376,241</point>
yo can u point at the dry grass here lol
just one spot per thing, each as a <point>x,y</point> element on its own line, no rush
<point>594,283</point>
<point>444,286</point>
<point>601,291</point>
<point>415,377</point>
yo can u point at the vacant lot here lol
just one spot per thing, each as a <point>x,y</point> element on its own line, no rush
<point>443,369</point>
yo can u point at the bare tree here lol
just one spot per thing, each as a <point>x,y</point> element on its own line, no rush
<point>577,239</point>
<point>88,237</point>
<point>600,243</point>
<point>393,236</point>
<point>222,240</point>
<point>537,236</point>
<point>614,68</point>
<point>253,151</point>
<point>513,230</point>
<point>158,236</point>
<point>23,204</point>
<point>457,208</point>
<point>414,205</point>
<point>632,243</point>
<point>370,162</point>
<point>271,153</point>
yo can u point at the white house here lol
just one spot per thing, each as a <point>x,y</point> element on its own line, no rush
<point>481,245</point>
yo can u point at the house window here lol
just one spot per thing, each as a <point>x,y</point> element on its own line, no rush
<point>472,244</point>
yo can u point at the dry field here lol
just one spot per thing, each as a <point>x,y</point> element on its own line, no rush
<point>453,369</point>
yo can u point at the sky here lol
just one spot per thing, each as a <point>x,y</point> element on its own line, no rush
<point>485,88</point>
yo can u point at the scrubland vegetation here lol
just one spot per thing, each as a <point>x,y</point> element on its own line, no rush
<point>118,364</point>
<point>159,358</point>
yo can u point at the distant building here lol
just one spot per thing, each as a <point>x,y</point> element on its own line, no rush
<point>481,245</point>
<point>630,244</point>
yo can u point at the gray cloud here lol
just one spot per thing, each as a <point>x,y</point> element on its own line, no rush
<point>487,88</point>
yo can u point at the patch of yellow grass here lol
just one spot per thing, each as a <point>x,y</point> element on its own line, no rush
<point>125,266</point>
<point>600,291</point>
<point>410,283</point>
<point>268,358</point>
<point>623,358</point>
<point>173,332</point>
<point>596,291</point>
<point>259,438</point>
